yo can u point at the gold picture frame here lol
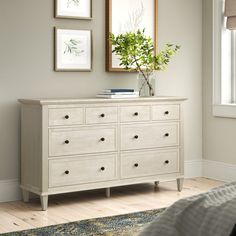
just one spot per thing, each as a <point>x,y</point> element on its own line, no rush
<point>72,11</point>
<point>111,8</point>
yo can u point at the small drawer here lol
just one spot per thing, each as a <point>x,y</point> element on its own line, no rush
<point>135,113</point>
<point>166,112</point>
<point>72,171</point>
<point>148,163</point>
<point>149,136</point>
<point>65,116</point>
<point>101,115</point>
<point>81,140</point>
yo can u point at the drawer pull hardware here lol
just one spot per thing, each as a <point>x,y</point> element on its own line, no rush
<point>136,137</point>
<point>67,117</point>
<point>102,139</point>
<point>136,114</point>
<point>167,135</point>
<point>136,164</point>
<point>167,162</point>
<point>102,115</point>
<point>67,172</point>
<point>67,142</point>
<point>166,112</point>
<point>102,168</point>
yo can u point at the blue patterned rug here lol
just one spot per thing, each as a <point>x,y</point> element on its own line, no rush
<point>121,225</point>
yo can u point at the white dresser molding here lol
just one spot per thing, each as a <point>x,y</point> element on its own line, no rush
<point>70,145</point>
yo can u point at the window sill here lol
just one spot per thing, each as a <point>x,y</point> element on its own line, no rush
<point>225,110</point>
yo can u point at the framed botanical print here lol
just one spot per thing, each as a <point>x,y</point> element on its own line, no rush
<point>73,50</point>
<point>128,16</point>
<point>75,9</point>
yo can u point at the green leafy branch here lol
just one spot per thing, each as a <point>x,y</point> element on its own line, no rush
<point>75,2</point>
<point>72,47</point>
<point>137,52</point>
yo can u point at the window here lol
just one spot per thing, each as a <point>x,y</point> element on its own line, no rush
<point>224,64</point>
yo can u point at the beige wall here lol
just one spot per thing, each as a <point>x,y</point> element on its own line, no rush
<point>26,62</point>
<point>219,143</point>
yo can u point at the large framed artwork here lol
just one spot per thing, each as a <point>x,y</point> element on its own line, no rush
<point>75,9</point>
<point>73,50</point>
<point>129,16</point>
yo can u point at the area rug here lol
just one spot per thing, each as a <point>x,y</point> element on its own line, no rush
<point>121,225</point>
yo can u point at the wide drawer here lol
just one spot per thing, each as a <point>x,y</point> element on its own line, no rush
<point>166,112</point>
<point>71,171</point>
<point>148,163</point>
<point>135,113</point>
<point>81,140</point>
<point>65,116</point>
<point>149,136</point>
<point>100,115</point>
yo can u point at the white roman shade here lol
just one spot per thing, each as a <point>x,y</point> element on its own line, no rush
<point>230,13</point>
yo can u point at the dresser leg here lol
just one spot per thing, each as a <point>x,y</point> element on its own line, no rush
<point>180,183</point>
<point>44,202</point>
<point>156,183</point>
<point>25,195</point>
<point>108,192</point>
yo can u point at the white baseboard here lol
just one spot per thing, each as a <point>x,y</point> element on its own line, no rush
<point>219,171</point>
<point>9,190</point>
<point>193,168</point>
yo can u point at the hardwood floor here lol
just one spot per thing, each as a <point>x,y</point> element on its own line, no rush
<point>15,216</point>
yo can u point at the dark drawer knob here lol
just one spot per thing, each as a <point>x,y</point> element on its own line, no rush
<point>67,172</point>
<point>102,115</point>
<point>166,112</point>
<point>67,142</point>
<point>67,117</point>
<point>136,164</point>
<point>136,114</point>
<point>136,137</point>
<point>167,162</point>
<point>167,135</point>
<point>102,139</point>
<point>102,168</point>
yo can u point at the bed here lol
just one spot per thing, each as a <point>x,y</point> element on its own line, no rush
<point>209,214</point>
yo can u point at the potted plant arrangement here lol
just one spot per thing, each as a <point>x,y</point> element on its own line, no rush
<point>136,52</point>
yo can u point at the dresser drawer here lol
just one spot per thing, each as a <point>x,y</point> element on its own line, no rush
<point>166,112</point>
<point>134,113</point>
<point>148,163</point>
<point>65,116</point>
<point>100,115</point>
<point>149,136</point>
<point>71,171</point>
<point>81,140</point>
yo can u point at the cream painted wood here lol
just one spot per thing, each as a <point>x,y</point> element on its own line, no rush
<point>100,115</point>
<point>149,136</point>
<point>77,170</point>
<point>166,112</point>
<point>180,182</point>
<point>81,140</point>
<point>51,145</point>
<point>66,116</point>
<point>149,163</point>
<point>135,113</point>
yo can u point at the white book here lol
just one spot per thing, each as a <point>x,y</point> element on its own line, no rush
<point>119,93</point>
<point>116,96</point>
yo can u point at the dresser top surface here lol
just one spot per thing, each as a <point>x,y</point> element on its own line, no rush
<point>99,100</point>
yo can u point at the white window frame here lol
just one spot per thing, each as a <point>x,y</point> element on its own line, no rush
<point>223,74</point>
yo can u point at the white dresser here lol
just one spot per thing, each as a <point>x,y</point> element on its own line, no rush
<point>81,144</point>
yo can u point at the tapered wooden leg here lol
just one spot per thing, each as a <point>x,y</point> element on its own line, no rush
<point>156,184</point>
<point>108,192</point>
<point>44,202</point>
<point>25,195</point>
<point>180,183</point>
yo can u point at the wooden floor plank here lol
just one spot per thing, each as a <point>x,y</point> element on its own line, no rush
<point>91,204</point>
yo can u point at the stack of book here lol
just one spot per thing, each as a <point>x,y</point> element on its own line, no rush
<point>118,93</point>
